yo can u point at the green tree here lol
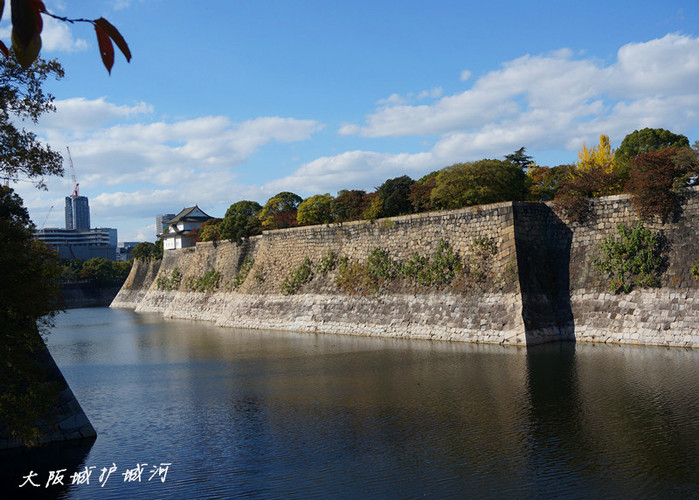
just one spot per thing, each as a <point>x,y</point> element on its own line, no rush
<point>394,195</point>
<point>645,141</point>
<point>23,98</point>
<point>210,230</point>
<point>686,162</point>
<point>280,211</point>
<point>158,250</point>
<point>420,192</point>
<point>316,209</point>
<point>545,182</point>
<point>374,206</point>
<point>478,183</point>
<point>241,221</point>
<point>102,271</point>
<point>349,205</point>
<point>520,159</point>
<point>145,250</point>
<point>70,269</point>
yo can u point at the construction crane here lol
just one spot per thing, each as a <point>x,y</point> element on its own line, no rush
<point>72,175</point>
<point>46,218</point>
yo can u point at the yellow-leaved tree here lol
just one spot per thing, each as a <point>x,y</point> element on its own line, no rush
<point>598,162</point>
<point>599,156</point>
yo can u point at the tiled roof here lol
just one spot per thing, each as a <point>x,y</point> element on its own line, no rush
<point>185,216</point>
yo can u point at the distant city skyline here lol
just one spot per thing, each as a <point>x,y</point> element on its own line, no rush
<point>248,99</point>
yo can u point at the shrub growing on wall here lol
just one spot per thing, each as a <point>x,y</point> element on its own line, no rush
<point>207,283</point>
<point>630,259</point>
<point>297,277</point>
<point>695,269</point>
<point>242,274</point>
<point>171,281</point>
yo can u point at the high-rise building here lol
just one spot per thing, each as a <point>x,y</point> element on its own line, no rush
<point>160,221</point>
<point>77,212</point>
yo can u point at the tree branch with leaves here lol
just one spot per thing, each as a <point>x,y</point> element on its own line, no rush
<point>27,24</point>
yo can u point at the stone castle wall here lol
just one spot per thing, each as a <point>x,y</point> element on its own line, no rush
<point>546,286</point>
<point>668,315</point>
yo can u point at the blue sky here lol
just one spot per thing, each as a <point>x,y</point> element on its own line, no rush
<point>227,100</point>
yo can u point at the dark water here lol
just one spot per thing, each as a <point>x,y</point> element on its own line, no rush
<point>240,413</point>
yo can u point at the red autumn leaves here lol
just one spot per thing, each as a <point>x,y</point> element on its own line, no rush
<point>26,33</point>
<point>106,34</point>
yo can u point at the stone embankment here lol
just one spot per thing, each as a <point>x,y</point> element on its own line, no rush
<point>539,284</point>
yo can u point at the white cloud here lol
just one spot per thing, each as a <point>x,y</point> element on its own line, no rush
<point>121,4</point>
<point>57,37</point>
<point>158,152</point>
<point>665,66</point>
<point>431,93</point>
<point>534,98</point>
<point>465,75</point>
<point>353,170</point>
<point>399,100</point>
<point>392,100</point>
<point>78,114</point>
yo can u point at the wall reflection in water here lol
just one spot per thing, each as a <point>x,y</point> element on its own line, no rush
<point>265,414</point>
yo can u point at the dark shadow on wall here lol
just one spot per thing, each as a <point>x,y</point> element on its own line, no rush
<point>543,243</point>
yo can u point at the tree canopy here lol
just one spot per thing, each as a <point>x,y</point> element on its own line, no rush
<point>545,182</point>
<point>316,209</point>
<point>394,195</point>
<point>241,221</point>
<point>519,158</point>
<point>102,271</point>
<point>477,183</point>
<point>280,211</point>
<point>210,230</point>
<point>655,177</point>
<point>644,141</point>
<point>598,157</point>
<point>420,192</point>
<point>22,98</point>
<point>349,204</point>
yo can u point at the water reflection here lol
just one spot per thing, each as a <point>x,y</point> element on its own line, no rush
<point>618,415</point>
<point>267,414</point>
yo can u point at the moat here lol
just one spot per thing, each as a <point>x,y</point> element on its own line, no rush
<point>255,413</point>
